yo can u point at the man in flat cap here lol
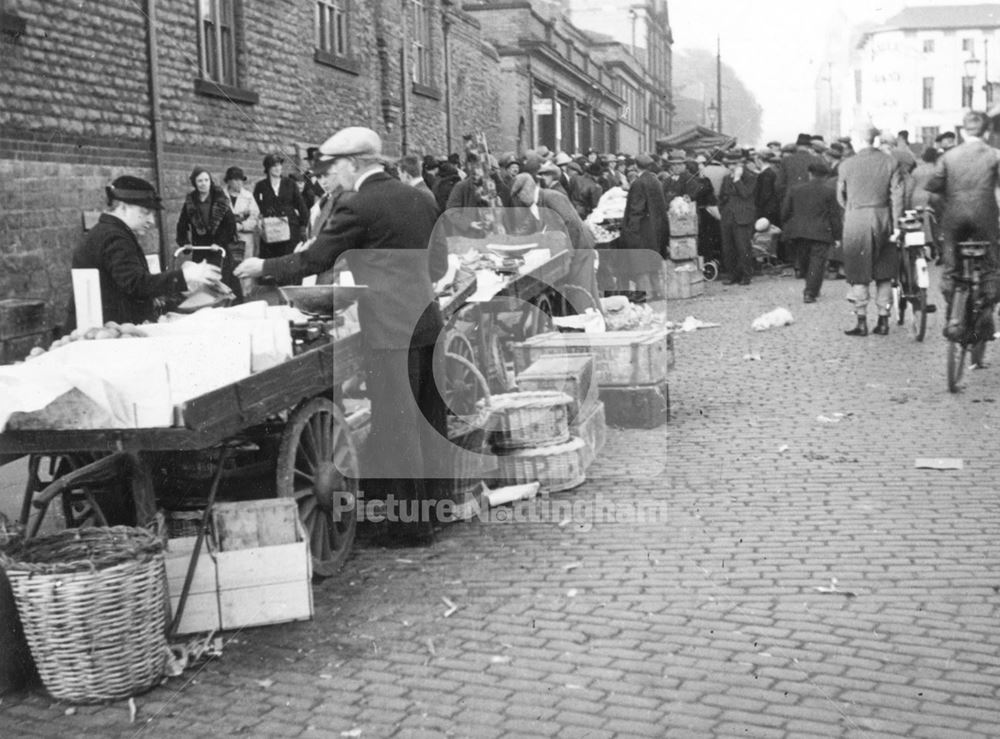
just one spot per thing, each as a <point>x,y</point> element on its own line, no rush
<point>812,221</point>
<point>645,230</point>
<point>128,289</point>
<point>794,170</point>
<point>384,231</point>
<point>738,207</point>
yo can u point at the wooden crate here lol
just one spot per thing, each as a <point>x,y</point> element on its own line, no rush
<point>683,247</point>
<point>572,374</point>
<point>593,429</point>
<point>637,407</point>
<point>686,225</point>
<point>252,586</point>
<point>683,279</point>
<point>637,357</point>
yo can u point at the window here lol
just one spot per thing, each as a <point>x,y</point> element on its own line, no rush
<point>967,45</point>
<point>332,27</point>
<point>421,61</point>
<point>217,41</point>
<point>928,101</point>
<point>929,46</point>
<point>966,92</point>
<point>928,134</point>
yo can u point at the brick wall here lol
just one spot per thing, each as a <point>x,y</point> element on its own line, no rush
<point>76,110</point>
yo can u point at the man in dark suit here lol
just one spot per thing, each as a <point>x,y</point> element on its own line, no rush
<point>738,209</point>
<point>384,231</point>
<point>645,230</point>
<point>812,224</point>
<point>794,170</point>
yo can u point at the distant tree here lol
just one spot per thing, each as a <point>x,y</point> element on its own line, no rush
<point>694,69</point>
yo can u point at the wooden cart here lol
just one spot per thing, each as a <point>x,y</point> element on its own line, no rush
<point>281,431</point>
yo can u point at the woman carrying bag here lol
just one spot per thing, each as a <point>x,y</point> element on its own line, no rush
<point>207,219</point>
<point>284,215</point>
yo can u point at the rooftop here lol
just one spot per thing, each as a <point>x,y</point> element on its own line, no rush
<point>941,17</point>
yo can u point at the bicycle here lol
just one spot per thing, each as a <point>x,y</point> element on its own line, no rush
<point>912,279</point>
<point>968,334</point>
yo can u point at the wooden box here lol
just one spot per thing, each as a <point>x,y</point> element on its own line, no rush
<point>683,279</point>
<point>251,586</point>
<point>683,247</point>
<point>637,407</point>
<point>593,429</point>
<point>637,357</point>
<point>572,374</point>
<point>683,225</point>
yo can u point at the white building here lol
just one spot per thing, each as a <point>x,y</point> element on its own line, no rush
<point>924,68</point>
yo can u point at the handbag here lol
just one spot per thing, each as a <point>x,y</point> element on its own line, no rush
<point>276,229</point>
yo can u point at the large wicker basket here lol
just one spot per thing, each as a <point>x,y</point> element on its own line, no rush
<point>557,467</point>
<point>525,420</point>
<point>92,602</point>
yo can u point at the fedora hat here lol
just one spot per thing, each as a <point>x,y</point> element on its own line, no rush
<point>803,139</point>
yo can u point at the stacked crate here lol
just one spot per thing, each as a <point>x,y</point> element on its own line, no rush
<point>572,374</point>
<point>682,271</point>
<point>630,369</point>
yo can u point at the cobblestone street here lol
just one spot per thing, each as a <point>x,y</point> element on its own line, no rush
<point>769,564</point>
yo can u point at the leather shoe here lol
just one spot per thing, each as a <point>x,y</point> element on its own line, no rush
<point>882,327</point>
<point>808,299</point>
<point>745,281</point>
<point>861,329</point>
<point>733,281</point>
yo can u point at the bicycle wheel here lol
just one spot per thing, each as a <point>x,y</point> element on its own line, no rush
<point>956,364</point>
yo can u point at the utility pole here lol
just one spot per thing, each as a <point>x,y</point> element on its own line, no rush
<point>718,81</point>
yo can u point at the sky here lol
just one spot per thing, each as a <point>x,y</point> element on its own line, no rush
<point>775,47</point>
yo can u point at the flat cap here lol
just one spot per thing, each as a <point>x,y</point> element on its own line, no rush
<point>354,141</point>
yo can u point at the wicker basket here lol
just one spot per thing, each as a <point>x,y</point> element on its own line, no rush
<point>558,467</point>
<point>529,419</point>
<point>92,602</point>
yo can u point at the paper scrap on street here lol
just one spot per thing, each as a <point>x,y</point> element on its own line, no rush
<point>772,319</point>
<point>751,357</point>
<point>832,418</point>
<point>939,463</point>
<point>691,324</point>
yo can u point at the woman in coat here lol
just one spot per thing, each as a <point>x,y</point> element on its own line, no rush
<point>207,219</point>
<point>278,197</point>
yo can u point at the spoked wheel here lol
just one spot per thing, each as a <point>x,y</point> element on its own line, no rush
<point>498,375</point>
<point>918,322</point>
<point>956,364</point>
<point>318,466</point>
<point>464,385</point>
<point>537,317</point>
<point>105,503</point>
<point>710,270</point>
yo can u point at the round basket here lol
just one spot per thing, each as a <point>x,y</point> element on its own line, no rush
<point>92,602</point>
<point>558,467</point>
<point>529,419</point>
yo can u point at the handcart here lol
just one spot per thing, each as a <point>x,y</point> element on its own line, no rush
<point>280,432</point>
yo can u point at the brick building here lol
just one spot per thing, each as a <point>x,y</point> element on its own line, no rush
<point>154,87</point>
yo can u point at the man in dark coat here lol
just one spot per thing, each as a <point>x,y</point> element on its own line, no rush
<point>766,198</point>
<point>645,230</point>
<point>870,190</point>
<point>128,289</point>
<point>384,231</point>
<point>738,211</point>
<point>794,170</point>
<point>812,223</point>
<point>966,178</point>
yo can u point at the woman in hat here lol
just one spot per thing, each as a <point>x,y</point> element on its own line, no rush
<point>207,219</point>
<point>282,209</point>
<point>128,288</point>
<point>247,216</point>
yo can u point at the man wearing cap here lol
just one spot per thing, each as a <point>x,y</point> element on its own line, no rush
<point>645,230</point>
<point>966,178</point>
<point>588,191</point>
<point>794,170</point>
<point>870,190</point>
<point>128,289</point>
<point>945,141</point>
<point>738,208</point>
<point>384,231</point>
<point>550,178</point>
<point>812,222</point>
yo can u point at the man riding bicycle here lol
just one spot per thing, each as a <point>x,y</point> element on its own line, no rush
<point>966,177</point>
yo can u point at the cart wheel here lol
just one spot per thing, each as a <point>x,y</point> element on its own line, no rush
<point>577,300</point>
<point>497,373</point>
<point>107,504</point>
<point>710,270</point>
<point>458,343</point>
<point>464,385</point>
<point>318,466</point>
<point>537,317</point>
